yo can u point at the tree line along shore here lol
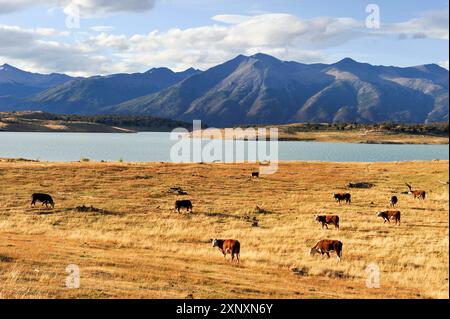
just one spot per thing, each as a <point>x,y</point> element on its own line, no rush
<point>382,133</point>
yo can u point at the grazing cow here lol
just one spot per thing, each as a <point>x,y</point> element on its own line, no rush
<point>325,246</point>
<point>420,194</point>
<point>393,201</point>
<point>183,203</point>
<point>228,246</point>
<point>45,199</point>
<point>327,219</point>
<point>255,174</point>
<point>343,196</point>
<point>390,214</point>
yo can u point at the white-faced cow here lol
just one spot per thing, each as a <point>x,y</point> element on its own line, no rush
<point>420,194</point>
<point>390,215</point>
<point>325,246</point>
<point>325,220</point>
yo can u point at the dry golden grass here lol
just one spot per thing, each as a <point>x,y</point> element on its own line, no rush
<point>138,247</point>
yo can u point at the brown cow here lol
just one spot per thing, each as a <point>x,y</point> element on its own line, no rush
<point>420,194</point>
<point>343,196</point>
<point>228,246</point>
<point>390,214</point>
<point>325,246</point>
<point>327,219</point>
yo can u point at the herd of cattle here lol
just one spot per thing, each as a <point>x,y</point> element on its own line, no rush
<point>323,247</point>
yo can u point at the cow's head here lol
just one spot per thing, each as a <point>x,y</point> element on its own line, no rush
<point>380,214</point>
<point>215,243</point>
<point>317,217</point>
<point>313,251</point>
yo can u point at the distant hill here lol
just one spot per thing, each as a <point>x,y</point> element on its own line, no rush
<point>16,84</point>
<point>88,95</point>
<point>32,121</point>
<point>258,89</point>
<point>261,89</point>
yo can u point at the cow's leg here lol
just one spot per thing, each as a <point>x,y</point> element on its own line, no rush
<point>326,226</point>
<point>328,254</point>
<point>33,203</point>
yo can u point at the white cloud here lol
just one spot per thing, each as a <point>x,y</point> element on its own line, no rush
<point>285,36</point>
<point>432,24</point>
<point>86,7</point>
<point>444,64</point>
<point>31,50</point>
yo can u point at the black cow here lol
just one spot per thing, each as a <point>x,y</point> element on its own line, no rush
<point>45,199</point>
<point>393,201</point>
<point>343,196</point>
<point>183,204</point>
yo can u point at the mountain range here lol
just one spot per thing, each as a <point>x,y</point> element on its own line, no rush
<point>257,89</point>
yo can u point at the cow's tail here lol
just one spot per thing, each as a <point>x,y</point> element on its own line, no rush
<point>340,250</point>
<point>238,247</point>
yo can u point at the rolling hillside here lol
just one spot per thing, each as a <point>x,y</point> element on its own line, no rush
<point>263,90</point>
<point>258,89</point>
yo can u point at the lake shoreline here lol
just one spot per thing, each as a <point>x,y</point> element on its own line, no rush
<point>131,163</point>
<point>355,137</point>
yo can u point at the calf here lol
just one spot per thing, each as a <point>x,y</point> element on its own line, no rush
<point>343,196</point>
<point>45,199</point>
<point>390,214</point>
<point>393,201</point>
<point>325,246</point>
<point>255,174</point>
<point>327,219</point>
<point>183,204</point>
<point>228,246</point>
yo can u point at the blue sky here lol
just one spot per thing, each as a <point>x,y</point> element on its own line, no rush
<point>133,36</point>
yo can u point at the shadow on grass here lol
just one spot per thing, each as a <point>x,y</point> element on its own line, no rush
<point>92,209</point>
<point>6,259</point>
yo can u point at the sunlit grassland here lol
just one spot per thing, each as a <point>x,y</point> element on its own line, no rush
<point>138,246</point>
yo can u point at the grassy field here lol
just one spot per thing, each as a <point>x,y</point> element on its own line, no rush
<point>136,246</point>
